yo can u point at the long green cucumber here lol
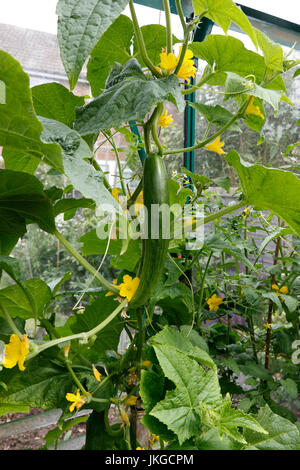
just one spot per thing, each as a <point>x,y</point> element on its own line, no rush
<point>154,253</point>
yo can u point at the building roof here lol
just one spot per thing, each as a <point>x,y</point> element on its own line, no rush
<point>37,51</point>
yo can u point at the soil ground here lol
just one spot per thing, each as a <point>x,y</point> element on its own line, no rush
<point>32,440</point>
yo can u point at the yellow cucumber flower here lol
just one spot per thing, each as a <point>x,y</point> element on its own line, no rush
<point>145,363</point>
<point>252,109</point>
<point>214,301</point>
<point>16,351</point>
<point>129,286</point>
<point>96,373</point>
<point>139,202</point>
<point>124,416</point>
<point>168,63</point>
<point>112,293</point>
<point>131,400</point>
<point>187,68</point>
<point>165,120</point>
<point>215,146</point>
<point>284,289</point>
<point>78,400</point>
<point>115,193</point>
<point>245,213</point>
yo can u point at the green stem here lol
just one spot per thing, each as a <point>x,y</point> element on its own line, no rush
<point>216,215</point>
<point>202,289</point>
<point>106,284</point>
<point>104,381</point>
<point>158,113</point>
<point>111,432</point>
<point>184,47</point>
<point>236,116</point>
<point>148,127</point>
<point>169,40</point>
<point>198,85</point>
<point>189,28</point>
<point>226,210</point>
<point>112,142</point>
<point>11,322</point>
<point>181,15</point>
<point>85,335</point>
<point>140,41</point>
<point>76,380</point>
<point>135,194</point>
<point>252,336</point>
<point>98,168</point>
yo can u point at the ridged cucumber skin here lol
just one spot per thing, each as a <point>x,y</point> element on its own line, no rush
<point>155,191</point>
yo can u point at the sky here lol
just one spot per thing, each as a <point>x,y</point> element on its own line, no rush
<point>40,14</point>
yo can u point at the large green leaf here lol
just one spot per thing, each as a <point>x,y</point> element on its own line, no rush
<point>152,390</point>
<point>269,188</point>
<point>117,40</point>
<point>229,420</point>
<point>93,245</point>
<point>54,101</point>
<point>216,115</point>
<point>44,385</point>
<point>155,40</point>
<point>129,95</point>
<point>19,161</point>
<point>175,300</point>
<point>272,51</point>
<point>228,54</point>
<point>223,12</point>
<point>95,313</point>
<point>22,201</point>
<point>16,302</point>
<point>81,174</point>
<point>180,342</point>
<point>6,408</point>
<point>11,267</point>
<point>80,26</point>
<point>234,85</point>
<point>282,434</point>
<point>19,127</point>
<point>193,385</point>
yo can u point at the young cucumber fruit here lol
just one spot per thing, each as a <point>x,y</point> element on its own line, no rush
<point>155,247</point>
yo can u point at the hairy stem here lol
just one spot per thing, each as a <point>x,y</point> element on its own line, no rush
<point>10,322</point>
<point>168,26</point>
<point>113,144</point>
<point>180,14</point>
<point>85,335</point>
<point>106,284</point>
<point>140,41</point>
<point>236,116</point>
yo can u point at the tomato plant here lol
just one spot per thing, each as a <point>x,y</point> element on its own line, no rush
<point>198,311</point>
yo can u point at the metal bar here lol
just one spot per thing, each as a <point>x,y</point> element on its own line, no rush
<point>189,114</point>
<point>32,422</point>
<point>141,150</point>
<point>260,15</point>
<point>257,14</point>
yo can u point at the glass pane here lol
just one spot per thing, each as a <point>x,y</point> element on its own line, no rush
<point>279,131</point>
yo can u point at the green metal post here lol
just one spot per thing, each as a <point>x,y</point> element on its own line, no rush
<point>189,115</point>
